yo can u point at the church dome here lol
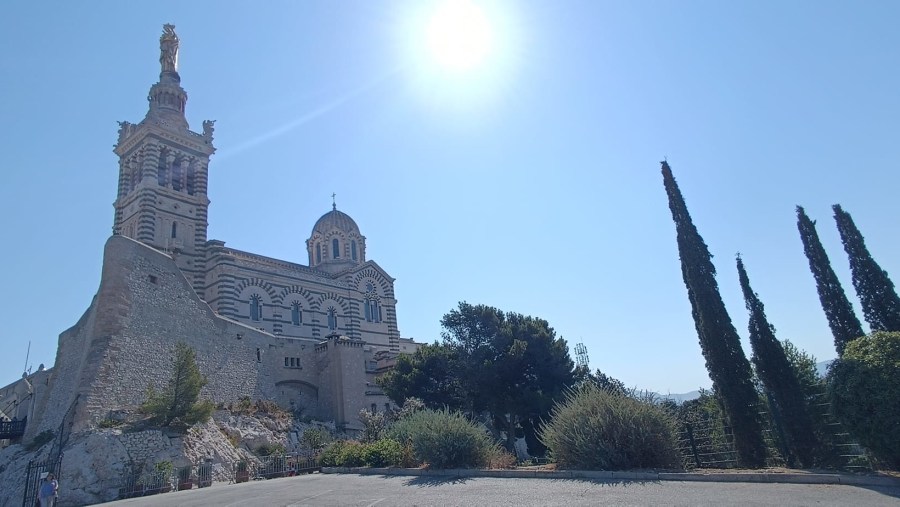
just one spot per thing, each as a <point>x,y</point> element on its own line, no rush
<point>335,220</point>
<point>335,243</point>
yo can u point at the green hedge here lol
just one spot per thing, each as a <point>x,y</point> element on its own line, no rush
<point>350,453</point>
<point>864,388</point>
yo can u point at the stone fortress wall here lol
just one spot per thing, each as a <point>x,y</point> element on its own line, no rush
<point>125,343</point>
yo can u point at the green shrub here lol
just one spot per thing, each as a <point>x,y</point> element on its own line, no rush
<point>351,454</point>
<point>200,412</point>
<point>329,456</point>
<point>270,450</point>
<point>594,429</point>
<point>382,453</point>
<point>243,406</point>
<point>315,438</point>
<point>443,439</point>
<point>865,394</point>
<point>39,440</point>
<point>164,466</point>
<point>342,453</point>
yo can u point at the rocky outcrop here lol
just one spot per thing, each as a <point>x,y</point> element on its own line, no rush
<point>96,463</point>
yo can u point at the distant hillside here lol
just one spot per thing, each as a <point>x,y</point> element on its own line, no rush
<point>822,367</point>
<point>681,398</point>
<point>678,398</point>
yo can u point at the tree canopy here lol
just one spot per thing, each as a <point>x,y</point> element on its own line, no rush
<point>865,395</point>
<point>507,364</point>
<point>880,303</point>
<point>843,322</point>
<point>777,375</point>
<point>726,363</point>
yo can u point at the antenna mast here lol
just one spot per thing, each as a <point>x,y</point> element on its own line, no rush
<point>27,355</point>
<point>581,355</point>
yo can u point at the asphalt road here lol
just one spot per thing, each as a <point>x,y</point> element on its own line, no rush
<point>383,491</point>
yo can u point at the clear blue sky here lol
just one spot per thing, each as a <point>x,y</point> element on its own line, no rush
<point>531,183</point>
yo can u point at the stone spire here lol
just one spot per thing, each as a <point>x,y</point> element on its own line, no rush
<point>167,98</point>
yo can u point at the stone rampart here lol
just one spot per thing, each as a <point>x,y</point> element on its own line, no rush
<point>143,446</point>
<point>125,342</point>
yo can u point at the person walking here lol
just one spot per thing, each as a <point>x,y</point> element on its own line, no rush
<point>49,491</point>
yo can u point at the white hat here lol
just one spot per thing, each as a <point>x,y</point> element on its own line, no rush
<point>44,475</point>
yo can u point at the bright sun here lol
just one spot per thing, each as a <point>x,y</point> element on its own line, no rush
<point>459,35</point>
<point>460,54</point>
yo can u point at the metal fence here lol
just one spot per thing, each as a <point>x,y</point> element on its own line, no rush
<point>152,479</point>
<point>708,442</point>
<point>33,473</point>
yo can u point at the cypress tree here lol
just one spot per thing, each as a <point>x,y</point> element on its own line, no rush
<point>726,363</point>
<point>777,376</point>
<point>842,320</point>
<point>880,303</point>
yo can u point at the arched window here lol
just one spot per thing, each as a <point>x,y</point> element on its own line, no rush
<point>353,249</point>
<point>334,248</point>
<point>371,303</point>
<point>177,175</point>
<point>318,253</point>
<point>162,170</point>
<point>296,314</point>
<point>373,310</point>
<point>174,229</point>
<point>255,307</point>
<point>191,178</point>
<point>332,319</point>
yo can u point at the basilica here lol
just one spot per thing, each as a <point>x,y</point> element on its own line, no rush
<point>311,337</point>
<point>162,202</point>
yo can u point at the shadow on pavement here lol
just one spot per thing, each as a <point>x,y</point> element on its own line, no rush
<point>424,481</point>
<point>891,491</point>
<point>608,482</point>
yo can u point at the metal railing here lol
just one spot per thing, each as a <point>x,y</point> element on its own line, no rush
<point>12,429</point>
<point>144,480</point>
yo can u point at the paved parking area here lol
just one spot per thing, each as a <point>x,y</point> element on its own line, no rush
<point>369,491</point>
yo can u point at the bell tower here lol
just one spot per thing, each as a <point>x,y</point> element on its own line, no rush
<point>163,172</point>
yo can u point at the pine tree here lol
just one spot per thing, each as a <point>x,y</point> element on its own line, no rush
<point>880,303</point>
<point>777,376</point>
<point>842,320</point>
<point>726,363</point>
<point>180,399</point>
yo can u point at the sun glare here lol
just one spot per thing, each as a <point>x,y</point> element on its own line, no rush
<point>459,35</point>
<point>460,54</point>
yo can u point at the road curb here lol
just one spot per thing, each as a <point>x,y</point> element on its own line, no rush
<point>609,476</point>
